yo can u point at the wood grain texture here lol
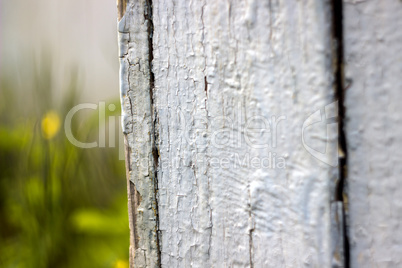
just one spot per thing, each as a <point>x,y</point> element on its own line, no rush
<point>137,120</point>
<point>218,65</point>
<point>237,96</point>
<point>373,66</point>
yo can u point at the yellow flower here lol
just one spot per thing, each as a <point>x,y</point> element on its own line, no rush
<point>50,124</point>
<point>121,264</point>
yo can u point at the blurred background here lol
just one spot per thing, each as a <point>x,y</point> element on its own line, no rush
<point>60,205</point>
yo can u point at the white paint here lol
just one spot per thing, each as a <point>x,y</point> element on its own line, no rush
<point>373,66</point>
<point>258,59</point>
<point>138,128</point>
<point>220,65</point>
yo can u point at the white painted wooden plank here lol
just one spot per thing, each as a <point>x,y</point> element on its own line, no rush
<point>229,106</point>
<point>218,64</point>
<point>373,66</point>
<point>134,30</point>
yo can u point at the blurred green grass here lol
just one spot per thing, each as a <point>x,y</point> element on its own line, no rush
<point>60,206</point>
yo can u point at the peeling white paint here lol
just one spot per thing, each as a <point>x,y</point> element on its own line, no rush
<point>219,65</point>
<point>258,59</point>
<point>137,123</point>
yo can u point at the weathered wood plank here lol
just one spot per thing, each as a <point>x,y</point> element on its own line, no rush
<point>134,30</point>
<point>218,64</point>
<point>229,104</point>
<point>373,66</point>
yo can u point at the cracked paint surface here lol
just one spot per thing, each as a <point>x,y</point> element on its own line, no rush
<point>138,127</point>
<point>236,60</point>
<point>216,65</point>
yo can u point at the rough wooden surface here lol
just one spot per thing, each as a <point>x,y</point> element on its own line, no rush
<point>216,65</point>
<point>136,97</point>
<point>235,105</point>
<point>373,68</point>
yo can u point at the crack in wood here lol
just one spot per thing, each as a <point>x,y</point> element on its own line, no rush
<point>155,150</point>
<point>337,17</point>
